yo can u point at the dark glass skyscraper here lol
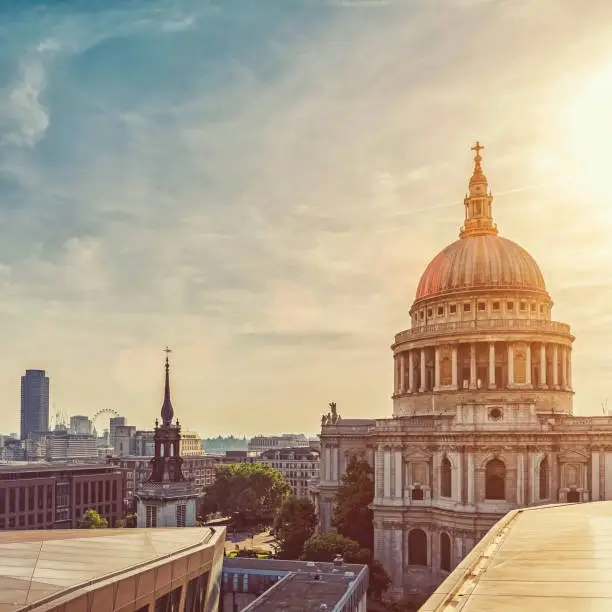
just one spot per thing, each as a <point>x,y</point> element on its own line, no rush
<point>34,402</point>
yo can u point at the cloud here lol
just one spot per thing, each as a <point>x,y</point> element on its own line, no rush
<point>263,188</point>
<point>24,113</point>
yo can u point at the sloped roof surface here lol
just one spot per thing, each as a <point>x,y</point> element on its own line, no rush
<point>37,564</point>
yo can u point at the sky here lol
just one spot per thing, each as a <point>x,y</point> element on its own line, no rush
<point>259,184</point>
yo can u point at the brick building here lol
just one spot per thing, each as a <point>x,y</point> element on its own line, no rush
<point>55,497</point>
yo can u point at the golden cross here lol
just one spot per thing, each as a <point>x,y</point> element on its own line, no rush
<point>167,350</point>
<point>477,147</point>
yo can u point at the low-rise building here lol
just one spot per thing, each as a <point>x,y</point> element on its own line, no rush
<point>144,443</point>
<point>63,446</point>
<point>191,444</point>
<point>38,496</point>
<point>263,443</point>
<point>128,570</point>
<point>124,440</point>
<point>271,584</point>
<point>297,465</point>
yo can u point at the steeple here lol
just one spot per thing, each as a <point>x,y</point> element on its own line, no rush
<point>167,411</point>
<point>478,202</point>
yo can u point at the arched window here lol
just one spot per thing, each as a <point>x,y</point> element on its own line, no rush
<point>446,478</point>
<point>417,547</point>
<point>445,552</point>
<point>495,480</point>
<point>544,479</point>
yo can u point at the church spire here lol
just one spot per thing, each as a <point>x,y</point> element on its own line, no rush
<point>167,411</point>
<point>478,202</point>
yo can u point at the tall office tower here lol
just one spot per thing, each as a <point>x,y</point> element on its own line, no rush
<point>34,402</point>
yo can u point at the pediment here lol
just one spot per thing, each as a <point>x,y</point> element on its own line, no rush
<point>573,456</point>
<point>417,455</point>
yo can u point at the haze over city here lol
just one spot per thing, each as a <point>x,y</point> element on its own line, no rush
<point>260,186</point>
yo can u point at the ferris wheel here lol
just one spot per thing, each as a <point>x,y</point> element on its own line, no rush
<point>108,411</point>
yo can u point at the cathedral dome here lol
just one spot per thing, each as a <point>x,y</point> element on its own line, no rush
<point>480,262</point>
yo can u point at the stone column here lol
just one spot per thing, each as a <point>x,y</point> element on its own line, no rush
<point>520,480</point>
<point>454,366</point>
<point>471,475</point>
<point>396,377</point>
<point>335,457</point>
<point>423,372</point>
<point>437,369</point>
<point>569,368</point>
<point>402,374</point>
<point>379,471</point>
<point>399,473</point>
<point>387,473</point>
<point>564,367</point>
<point>491,365</point>
<point>473,365</point>
<point>510,364</point>
<point>411,372</point>
<point>528,364</point>
<point>594,476</point>
<point>543,366</point>
<point>556,366</point>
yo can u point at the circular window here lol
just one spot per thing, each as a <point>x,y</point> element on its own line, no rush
<point>495,414</point>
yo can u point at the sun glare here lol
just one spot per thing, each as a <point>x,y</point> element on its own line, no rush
<point>589,129</point>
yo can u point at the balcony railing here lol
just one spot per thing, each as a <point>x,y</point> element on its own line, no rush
<point>438,329</point>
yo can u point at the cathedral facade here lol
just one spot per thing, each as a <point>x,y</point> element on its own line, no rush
<point>482,417</point>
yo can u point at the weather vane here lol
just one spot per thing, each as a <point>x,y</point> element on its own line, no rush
<point>167,350</point>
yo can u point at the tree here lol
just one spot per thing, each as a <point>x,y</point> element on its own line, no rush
<point>250,490</point>
<point>294,523</point>
<point>409,603</point>
<point>92,520</point>
<point>325,547</point>
<point>353,517</point>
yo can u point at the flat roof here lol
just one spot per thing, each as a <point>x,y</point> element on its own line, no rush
<point>36,565</point>
<point>556,557</point>
<point>306,585</point>
<point>56,467</point>
<point>303,593</point>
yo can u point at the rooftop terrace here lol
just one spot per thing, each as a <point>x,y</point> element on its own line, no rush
<point>556,557</point>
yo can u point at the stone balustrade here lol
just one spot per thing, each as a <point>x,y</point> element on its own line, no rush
<point>443,329</point>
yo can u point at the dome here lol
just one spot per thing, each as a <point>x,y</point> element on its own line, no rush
<point>481,262</point>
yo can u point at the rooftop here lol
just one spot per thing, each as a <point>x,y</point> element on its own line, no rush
<point>305,587</point>
<point>40,566</point>
<point>555,557</point>
<point>55,467</point>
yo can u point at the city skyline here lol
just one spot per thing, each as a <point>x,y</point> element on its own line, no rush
<point>261,190</point>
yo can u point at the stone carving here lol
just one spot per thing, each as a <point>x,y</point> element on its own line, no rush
<point>332,417</point>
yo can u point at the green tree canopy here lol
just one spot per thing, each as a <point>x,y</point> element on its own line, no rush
<point>352,516</point>
<point>409,603</point>
<point>294,523</point>
<point>92,520</point>
<point>247,489</point>
<point>325,546</point>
